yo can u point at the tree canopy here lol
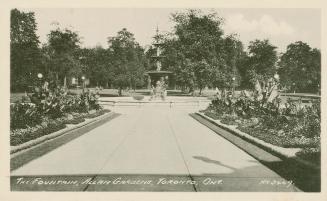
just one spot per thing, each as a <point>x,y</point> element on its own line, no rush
<point>24,50</point>
<point>259,64</point>
<point>62,46</point>
<point>197,51</point>
<point>128,60</point>
<point>300,67</point>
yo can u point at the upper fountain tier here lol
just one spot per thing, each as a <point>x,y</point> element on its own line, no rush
<point>157,44</point>
<point>157,73</point>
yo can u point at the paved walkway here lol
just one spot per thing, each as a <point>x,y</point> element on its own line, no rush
<point>163,149</point>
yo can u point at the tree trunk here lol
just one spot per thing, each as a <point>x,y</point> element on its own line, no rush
<point>119,91</point>
<point>191,89</point>
<point>65,82</point>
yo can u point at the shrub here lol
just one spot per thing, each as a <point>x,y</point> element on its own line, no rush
<point>50,103</point>
<point>89,101</point>
<point>23,115</point>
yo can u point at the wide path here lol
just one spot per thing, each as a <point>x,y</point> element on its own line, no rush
<point>157,148</point>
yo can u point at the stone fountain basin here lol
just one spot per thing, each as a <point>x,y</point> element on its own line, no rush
<point>146,99</point>
<point>138,97</point>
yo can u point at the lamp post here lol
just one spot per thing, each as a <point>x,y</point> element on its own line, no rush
<point>233,84</point>
<point>276,76</point>
<point>276,79</point>
<point>294,87</point>
<point>40,76</point>
<point>29,87</point>
<point>83,84</point>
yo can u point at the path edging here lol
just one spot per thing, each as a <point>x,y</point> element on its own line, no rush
<point>287,153</point>
<point>70,127</point>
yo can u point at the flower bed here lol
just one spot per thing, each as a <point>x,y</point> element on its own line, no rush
<point>50,111</point>
<point>48,126</point>
<point>19,136</point>
<point>289,125</point>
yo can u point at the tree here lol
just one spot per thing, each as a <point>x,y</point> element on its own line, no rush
<point>261,64</point>
<point>300,64</point>
<point>24,51</point>
<point>231,64</point>
<point>174,60</point>
<point>199,35</point>
<point>202,71</point>
<point>62,47</point>
<point>196,43</point>
<point>198,50</point>
<point>96,62</point>
<point>128,61</point>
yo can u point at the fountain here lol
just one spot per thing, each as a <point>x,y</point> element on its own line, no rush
<point>158,79</point>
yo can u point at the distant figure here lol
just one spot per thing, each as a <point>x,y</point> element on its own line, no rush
<point>45,86</point>
<point>152,89</point>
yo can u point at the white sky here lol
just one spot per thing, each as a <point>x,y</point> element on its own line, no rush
<point>95,25</point>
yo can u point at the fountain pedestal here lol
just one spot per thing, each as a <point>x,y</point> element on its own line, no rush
<point>159,91</point>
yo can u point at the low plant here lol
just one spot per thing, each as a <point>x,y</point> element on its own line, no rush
<point>89,101</point>
<point>23,115</point>
<point>19,136</point>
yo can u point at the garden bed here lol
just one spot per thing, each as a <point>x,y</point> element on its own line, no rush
<point>288,126</point>
<point>272,136</point>
<point>46,111</point>
<point>24,153</point>
<point>20,136</point>
<point>308,159</point>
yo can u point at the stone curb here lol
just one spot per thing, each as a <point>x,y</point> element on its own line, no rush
<point>287,153</point>
<point>70,127</point>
